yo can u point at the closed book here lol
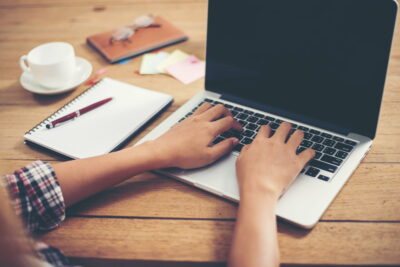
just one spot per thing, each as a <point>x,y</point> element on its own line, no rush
<point>143,40</point>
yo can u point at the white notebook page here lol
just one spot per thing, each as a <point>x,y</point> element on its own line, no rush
<point>101,130</point>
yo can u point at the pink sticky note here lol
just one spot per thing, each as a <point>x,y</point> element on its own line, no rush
<point>101,71</point>
<point>187,70</point>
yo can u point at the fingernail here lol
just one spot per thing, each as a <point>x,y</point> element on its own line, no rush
<point>235,141</point>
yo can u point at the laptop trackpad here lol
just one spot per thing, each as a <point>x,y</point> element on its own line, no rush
<point>218,178</point>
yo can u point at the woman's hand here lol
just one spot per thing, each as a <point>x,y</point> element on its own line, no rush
<point>265,168</point>
<point>189,143</point>
<point>270,164</point>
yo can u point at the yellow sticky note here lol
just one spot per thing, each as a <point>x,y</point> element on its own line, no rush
<point>174,57</point>
<point>150,62</point>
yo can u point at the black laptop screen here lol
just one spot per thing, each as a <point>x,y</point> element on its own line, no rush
<point>321,59</point>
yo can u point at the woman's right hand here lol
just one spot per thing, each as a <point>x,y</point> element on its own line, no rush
<point>270,164</point>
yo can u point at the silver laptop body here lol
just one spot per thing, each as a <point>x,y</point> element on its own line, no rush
<point>308,197</point>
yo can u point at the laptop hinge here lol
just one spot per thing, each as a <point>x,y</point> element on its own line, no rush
<point>286,114</point>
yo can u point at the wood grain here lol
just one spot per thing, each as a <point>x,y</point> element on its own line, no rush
<point>370,195</point>
<point>196,240</point>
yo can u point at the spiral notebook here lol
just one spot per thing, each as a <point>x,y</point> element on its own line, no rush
<point>104,129</point>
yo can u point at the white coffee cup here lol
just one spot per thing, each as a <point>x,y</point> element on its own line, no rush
<point>51,64</point>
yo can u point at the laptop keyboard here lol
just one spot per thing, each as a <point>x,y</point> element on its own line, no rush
<point>331,150</point>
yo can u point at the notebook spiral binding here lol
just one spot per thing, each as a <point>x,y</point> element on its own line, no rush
<point>52,116</point>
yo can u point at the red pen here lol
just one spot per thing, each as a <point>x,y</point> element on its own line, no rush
<point>77,113</point>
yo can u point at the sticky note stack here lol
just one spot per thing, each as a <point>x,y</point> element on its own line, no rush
<point>185,68</point>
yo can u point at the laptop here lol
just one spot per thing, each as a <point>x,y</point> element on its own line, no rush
<point>318,64</point>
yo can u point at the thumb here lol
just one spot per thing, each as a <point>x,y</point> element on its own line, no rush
<point>223,147</point>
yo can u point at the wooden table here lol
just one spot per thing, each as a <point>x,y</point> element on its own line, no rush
<point>152,220</point>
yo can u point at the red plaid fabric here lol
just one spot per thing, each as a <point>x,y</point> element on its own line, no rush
<point>38,200</point>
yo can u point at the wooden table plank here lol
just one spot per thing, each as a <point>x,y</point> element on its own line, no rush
<point>370,195</point>
<point>196,240</point>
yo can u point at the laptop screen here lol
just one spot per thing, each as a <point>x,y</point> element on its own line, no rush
<point>320,59</point>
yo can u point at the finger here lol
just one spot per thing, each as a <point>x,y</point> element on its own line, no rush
<point>203,107</point>
<point>295,139</point>
<point>216,112</point>
<point>264,131</point>
<point>225,124</point>
<point>306,155</point>
<point>245,148</point>
<point>283,131</point>
<point>223,148</point>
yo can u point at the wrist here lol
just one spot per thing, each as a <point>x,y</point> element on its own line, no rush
<point>158,156</point>
<point>263,190</point>
<point>262,197</point>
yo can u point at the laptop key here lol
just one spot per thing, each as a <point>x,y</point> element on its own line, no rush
<point>237,109</point>
<point>278,121</point>
<point>305,129</point>
<point>236,134</point>
<point>318,147</point>
<point>331,160</point>
<point>326,135</point>
<point>252,119</point>
<point>343,147</point>
<point>234,113</point>
<point>323,177</point>
<point>314,131</point>
<point>228,106</point>
<point>337,138</point>
<point>208,100</point>
<point>307,136</point>
<point>312,172</point>
<point>238,147</point>
<point>262,122</point>
<point>306,143</point>
<point>248,133</point>
<point>273,125</point>
<point>317,155</point>
<point>329,151</point>
<point>251,126</point>
<point>317,139</point>
<point>258,115</point>
<point>328,142</point>
<point>341,154</point>
<point>242,116</point>
<point>349,142</point>
<point>246,141</point>
<point>322,165</point>
<point>269,118</point>
<point>243,123</point>
<point>248,112</point>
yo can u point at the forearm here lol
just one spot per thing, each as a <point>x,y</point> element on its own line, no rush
<point>82,178</point>
<point>255,240</point>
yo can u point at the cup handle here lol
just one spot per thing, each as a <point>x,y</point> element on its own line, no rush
<point>23,65</point>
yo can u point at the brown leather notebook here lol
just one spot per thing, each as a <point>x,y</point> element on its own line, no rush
<point>142,41</point>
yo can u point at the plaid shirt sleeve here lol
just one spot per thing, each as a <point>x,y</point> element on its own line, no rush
<point>37,196</point>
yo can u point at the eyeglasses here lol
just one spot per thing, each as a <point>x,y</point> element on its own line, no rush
<point>125,32</point>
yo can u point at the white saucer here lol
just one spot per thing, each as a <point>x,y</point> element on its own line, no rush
<point>83,71</point>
